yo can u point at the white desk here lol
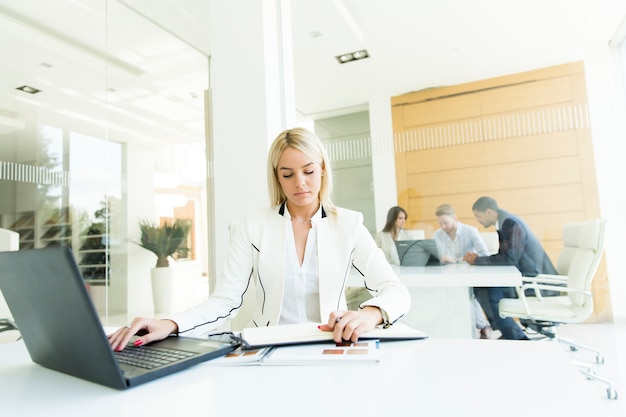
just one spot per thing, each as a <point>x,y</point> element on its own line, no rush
<point>435,377</point>
<point>440,295</point>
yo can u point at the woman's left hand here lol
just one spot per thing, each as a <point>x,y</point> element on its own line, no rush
<point>350,324</point>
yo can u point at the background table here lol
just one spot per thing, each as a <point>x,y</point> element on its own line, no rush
<point>434,377</point>
<point>441,303</point>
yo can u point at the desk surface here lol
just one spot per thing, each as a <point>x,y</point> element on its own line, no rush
<point>434,377</point>
<point>453,275</point>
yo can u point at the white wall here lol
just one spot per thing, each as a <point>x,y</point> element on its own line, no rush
<point>252,100</point>
<point>131,290</point>
<point>383,157</point>
<point>606,110</point>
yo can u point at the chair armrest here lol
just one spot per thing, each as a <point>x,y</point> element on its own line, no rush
<point>546,279</point>
<point>524,299</point>
<point>553,288</point>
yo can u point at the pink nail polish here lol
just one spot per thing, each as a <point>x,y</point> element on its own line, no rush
<point>138,342</point>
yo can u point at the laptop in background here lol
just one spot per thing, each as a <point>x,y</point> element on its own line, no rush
<point>48,299</point>
<point>421,252</point>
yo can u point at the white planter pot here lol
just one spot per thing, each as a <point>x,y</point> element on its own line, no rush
<point>163,289</point>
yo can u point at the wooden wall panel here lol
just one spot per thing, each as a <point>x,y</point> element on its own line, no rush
<point>535,173</point>
<point>527,95</point>
<point>530,148</point>
<point>573,70</point>
<point>543,200</point>
<point>432,160</point>
<point>579,92</point>
<point>547,226</point>
<point>523,139</point>
<point>443,110</point>
<point>444,183</point>
<point>540,146</point>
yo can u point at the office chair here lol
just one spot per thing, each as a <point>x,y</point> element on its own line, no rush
<point>492,241</point>
<point>583,246</point>
<point>9,241</point>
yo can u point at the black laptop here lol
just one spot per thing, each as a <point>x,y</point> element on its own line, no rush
<point>48,299</point>
<point>421,252</point>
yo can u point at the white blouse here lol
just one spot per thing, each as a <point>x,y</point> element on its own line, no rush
<point>301,301</point>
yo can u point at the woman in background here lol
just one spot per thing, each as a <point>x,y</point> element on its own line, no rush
<point>393,230</point>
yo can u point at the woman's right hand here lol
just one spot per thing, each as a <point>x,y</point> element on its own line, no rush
<point>150,330</point>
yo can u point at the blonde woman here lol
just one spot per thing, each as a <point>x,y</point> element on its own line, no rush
<point>299,251</point>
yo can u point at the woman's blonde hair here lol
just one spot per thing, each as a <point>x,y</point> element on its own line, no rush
<point>308,143</point>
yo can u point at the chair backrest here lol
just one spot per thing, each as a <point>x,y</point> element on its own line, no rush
<point>9,241</point>
<point>492,241</point>
<point>583,245</point>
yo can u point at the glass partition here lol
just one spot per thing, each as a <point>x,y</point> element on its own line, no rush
<point>101,126</point>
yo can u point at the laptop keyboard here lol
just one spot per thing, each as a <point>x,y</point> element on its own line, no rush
<point>148,357</point>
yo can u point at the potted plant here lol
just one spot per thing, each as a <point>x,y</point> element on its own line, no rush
<point>164,240</point>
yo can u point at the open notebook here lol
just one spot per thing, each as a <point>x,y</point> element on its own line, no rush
<point>361,352</point>
<point>310,333</point>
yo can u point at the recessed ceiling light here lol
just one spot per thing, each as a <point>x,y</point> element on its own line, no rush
<point>352,56</point>
<point>315,34</point>
<point>28,89</point>
<point>345,58</point>
<point>46,65</point>
<point>360,54</point>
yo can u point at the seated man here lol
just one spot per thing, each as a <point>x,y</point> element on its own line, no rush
<point>454,239</point>
<point>518,247</point>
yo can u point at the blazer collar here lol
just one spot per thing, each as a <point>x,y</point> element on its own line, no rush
<point>281,210</point>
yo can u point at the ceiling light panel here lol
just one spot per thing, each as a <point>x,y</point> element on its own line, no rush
<point>28,89</point>
<point>352,56</point>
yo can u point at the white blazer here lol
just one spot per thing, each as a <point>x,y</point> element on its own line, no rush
<point>257,255</point>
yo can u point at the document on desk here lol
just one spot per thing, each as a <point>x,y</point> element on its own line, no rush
<point>367,351</point>
<point>291,334</point>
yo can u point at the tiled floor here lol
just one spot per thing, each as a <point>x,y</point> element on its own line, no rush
<point>609,338</point>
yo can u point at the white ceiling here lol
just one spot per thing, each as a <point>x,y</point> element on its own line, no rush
<point>418,44</point>
<point>155,81</point>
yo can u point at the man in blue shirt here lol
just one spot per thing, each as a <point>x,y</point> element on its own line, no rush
<point>454,240</point>
<point>519,247</point>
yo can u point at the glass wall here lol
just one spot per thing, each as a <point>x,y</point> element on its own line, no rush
<point>101,127</point>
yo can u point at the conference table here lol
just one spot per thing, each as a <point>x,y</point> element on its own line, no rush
<point>432,377</point>
<point>441,301</point>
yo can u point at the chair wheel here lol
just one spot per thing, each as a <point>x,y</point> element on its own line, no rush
<point>599,359</point>
<point>573,348</point>
<point>611,393</point>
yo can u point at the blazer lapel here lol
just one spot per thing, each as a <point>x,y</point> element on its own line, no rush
<point>331,282</point>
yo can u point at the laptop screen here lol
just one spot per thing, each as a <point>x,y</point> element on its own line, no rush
<point>61,328</point>
<point>417,252</point>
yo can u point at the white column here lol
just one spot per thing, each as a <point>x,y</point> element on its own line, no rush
<point>383,158</point>
<point>130,289</point>
<point>252,97</point>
